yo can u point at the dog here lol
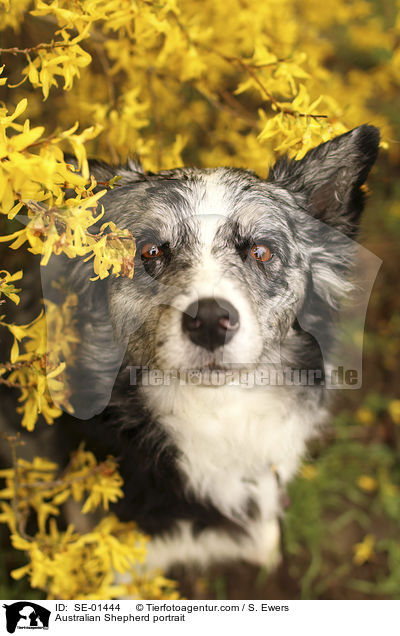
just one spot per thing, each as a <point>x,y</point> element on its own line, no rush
<point>185,372</point>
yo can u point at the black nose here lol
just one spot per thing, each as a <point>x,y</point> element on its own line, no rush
<point>210,323</point>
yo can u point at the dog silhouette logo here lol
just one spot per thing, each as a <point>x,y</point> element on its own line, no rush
<point>26,615</point>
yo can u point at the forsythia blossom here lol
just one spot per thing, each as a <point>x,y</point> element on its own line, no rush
<point>66,563</point>
<point>175,82</point>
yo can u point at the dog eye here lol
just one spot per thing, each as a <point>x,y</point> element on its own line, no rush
<point>151,251</point>
<point>261,253</point>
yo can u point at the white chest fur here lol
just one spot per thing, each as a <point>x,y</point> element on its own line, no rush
<point>229,437</point>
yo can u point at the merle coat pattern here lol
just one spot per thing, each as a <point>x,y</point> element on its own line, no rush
<point>201,464</point>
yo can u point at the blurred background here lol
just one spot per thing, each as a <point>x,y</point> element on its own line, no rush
<point>241,84</point>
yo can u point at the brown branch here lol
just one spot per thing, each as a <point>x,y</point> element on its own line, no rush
<point>9,366</point>
<point>14,50</point>
<point>62,480</point>
<point>107,183</point>
<point>14,441</point>
<point>20,518</point>
<point>54,215</point>
<point>268,64</point>
<point>46,140</point>
<point>249,69</point>
<point>237,108</point>
<point>107,73</point>
<point>232,110</point>
<point>268,95</point>
<point>153,102</point>
<point>15,385</point>
<point>233,106</point>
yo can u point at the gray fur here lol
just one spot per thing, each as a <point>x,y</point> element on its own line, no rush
<point>299,211</point>
<point>207,222</point>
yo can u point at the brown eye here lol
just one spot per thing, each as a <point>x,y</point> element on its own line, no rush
<point>151,251</point>
<point>261,253</point>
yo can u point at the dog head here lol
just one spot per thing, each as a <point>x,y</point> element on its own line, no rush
<point>231,271</point>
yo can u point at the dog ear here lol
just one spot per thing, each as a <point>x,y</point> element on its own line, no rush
<point>331,175</point>
<point>93,365</point>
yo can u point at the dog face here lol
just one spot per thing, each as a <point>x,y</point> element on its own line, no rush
<point>231,271</point>
<point>227,264</point>
<point>221,270</point>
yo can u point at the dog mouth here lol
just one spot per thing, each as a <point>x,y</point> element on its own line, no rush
<point>214,366</point>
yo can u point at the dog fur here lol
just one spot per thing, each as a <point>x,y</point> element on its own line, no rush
<point>204,466</point>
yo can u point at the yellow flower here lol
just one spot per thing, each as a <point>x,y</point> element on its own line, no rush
<point>394,411</point>
<point>162,85</point>
<point>6,287</point>
<point>365,416</point>
<point>309,471</point>
<point>367,483</point>
<point>364,551</point>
